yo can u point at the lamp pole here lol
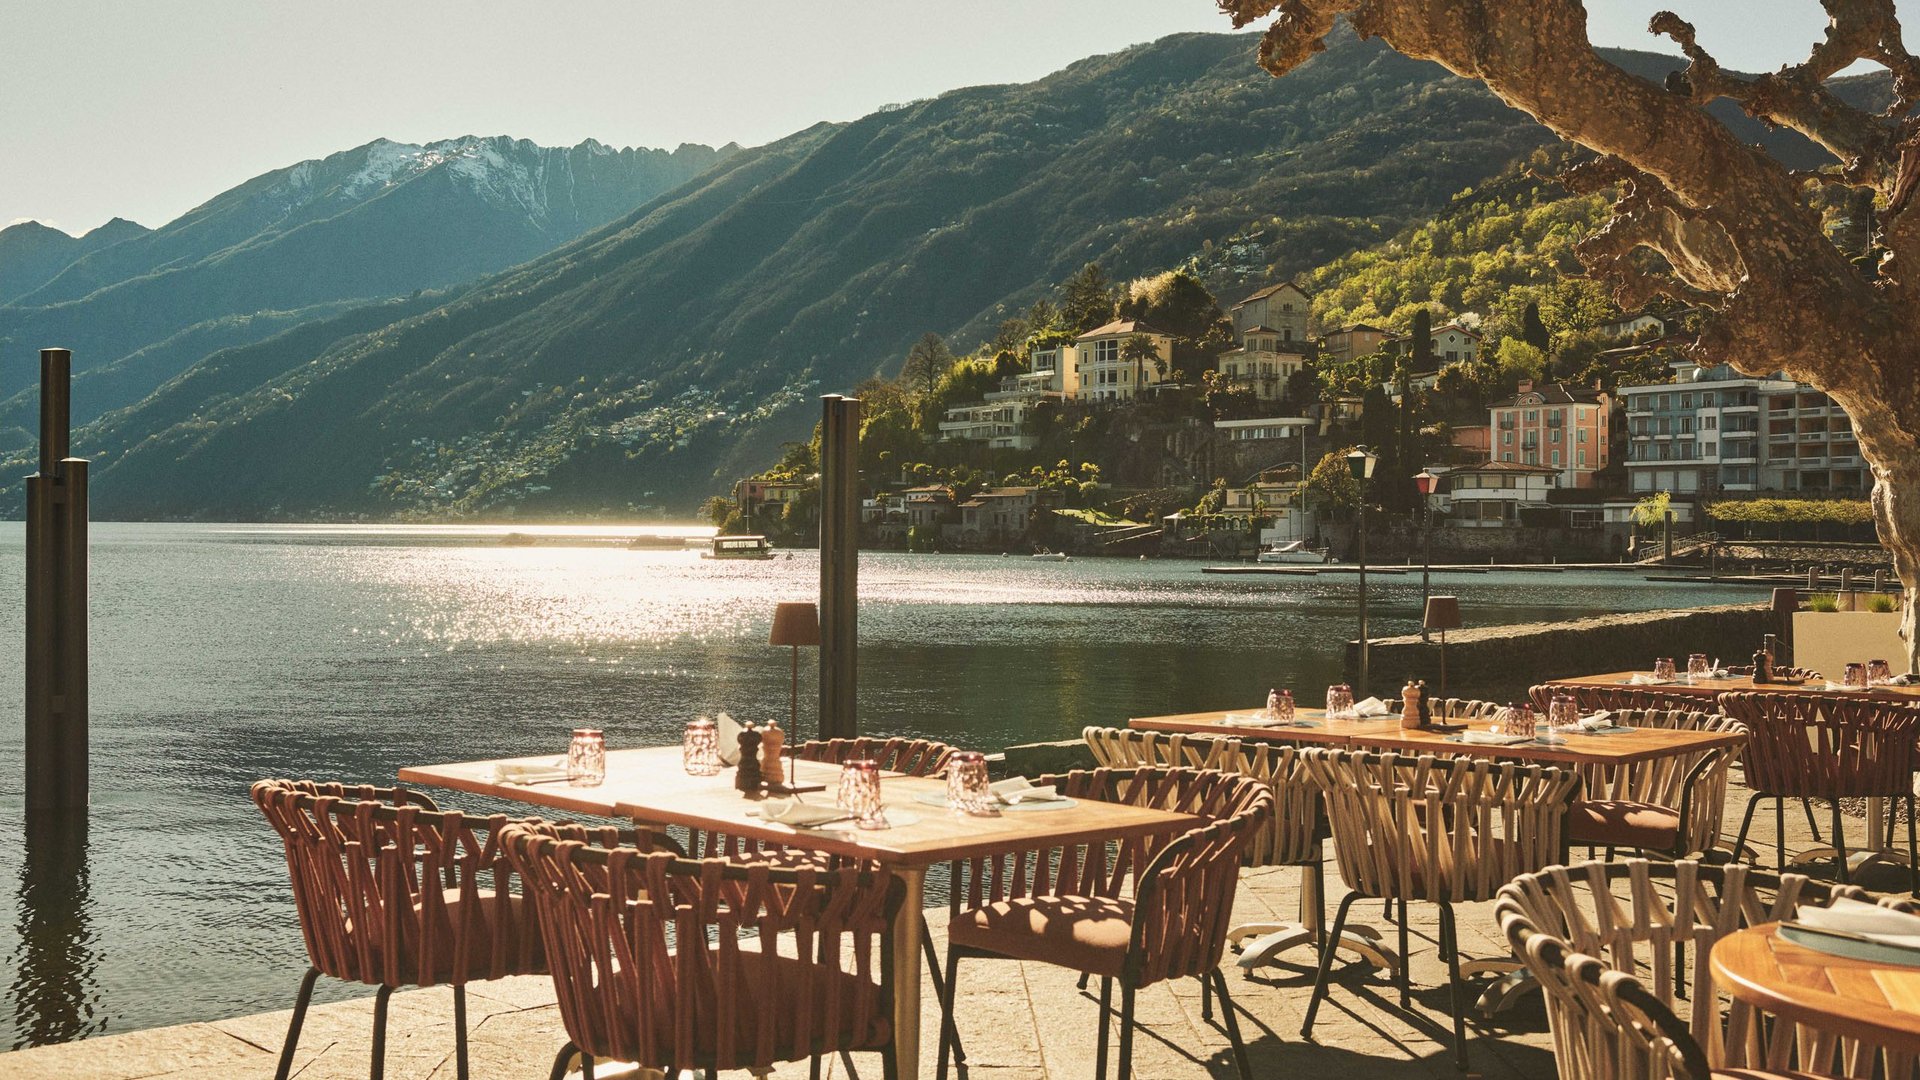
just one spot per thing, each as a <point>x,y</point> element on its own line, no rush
<point>1426,481</point>
<point>1360,462</point>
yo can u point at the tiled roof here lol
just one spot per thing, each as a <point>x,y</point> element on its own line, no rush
<point>1120,326</point>
<point>1506,467</point>
<point>1271,289</point>
<point>1552,394</point>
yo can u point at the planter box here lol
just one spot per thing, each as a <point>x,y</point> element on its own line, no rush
<point>1827,641</point>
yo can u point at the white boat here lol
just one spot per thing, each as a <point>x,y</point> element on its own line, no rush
<point>739,547</point>
<point>1293,551</point>
<point>1049,556</point>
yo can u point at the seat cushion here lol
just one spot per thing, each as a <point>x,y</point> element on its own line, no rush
<point>1085,933</point>
<point>1619,823</point>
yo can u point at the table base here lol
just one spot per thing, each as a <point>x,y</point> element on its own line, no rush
<point>1266,941</point>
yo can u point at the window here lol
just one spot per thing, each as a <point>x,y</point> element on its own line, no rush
<point>1553,435</point>
<point>1581,437</point>
<point>1581,458</point>
<point>1556,457</point>
<point>1506,457</point>
<point>1707,449</point>
<point>1286,307</point>
<point>1666,401</point>
<point>1686,401</point>
<point>1533,416</point>
<point>1709,423</point>
<point>1686,425</point>
<point>1506,439</point>
<point>1106,350</point>
<point>1706,400</point>
<point>1286,332</point>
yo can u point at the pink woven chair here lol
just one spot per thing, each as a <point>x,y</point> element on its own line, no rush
<point>392,892</point>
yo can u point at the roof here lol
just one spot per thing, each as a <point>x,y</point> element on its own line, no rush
<point>1358,328</point>
<point>1120,326</point>
<point>1005,493</point>
<point>1508,467</point>
<point>1474,334</point>
<point>1271,289</point>
<point>929,489</point>
<point>1551,394</point>
<point>1263,328</point>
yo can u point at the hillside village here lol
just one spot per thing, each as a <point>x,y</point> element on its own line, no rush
<point>1150,419</point>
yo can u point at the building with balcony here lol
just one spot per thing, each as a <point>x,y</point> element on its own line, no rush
<point>1280,309</point>
<point>1264,362</point>
<point>1715,431</point>
<point>1102,370</point>
<point>1561,426</point>
<point>1360,339</point>
<point>1491,496</point>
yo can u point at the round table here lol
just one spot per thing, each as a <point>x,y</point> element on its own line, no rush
<point>1875,1002</point>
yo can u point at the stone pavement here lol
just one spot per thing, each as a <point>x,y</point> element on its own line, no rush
<point>1019,1021</point>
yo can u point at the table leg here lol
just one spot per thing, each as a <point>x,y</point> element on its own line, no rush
<point>1264,942</point>
<point>906,971</point>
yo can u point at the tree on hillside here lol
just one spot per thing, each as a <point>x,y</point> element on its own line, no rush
<point>1177,303</point>
<point>1734,230</point>
<point>1420,340</point>
<point>1331,484</point>
<point>926,362</point>
<point>1140,351</point>
<point>1086,300</point>
<point>1534,333</point>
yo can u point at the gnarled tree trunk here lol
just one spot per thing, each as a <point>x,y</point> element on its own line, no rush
<point>1736,229</point>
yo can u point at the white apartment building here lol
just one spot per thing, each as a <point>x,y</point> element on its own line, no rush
<point>1101,371</point>
<point>1715,430</point>
<point>1264,362</point>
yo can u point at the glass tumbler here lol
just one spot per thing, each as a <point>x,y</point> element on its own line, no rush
<point>1521,721</point>
<point>1284,711</point>
<point>1856,675</point>
<point>700,748</point>
<point>1340,701</point>
<point>1697,667</point>
<point>1663,668</point>
<point>587,758</point>
<point>859,794</point>
<point>1563,718</point>
<point>1879,673</point>
<point>967,784</point>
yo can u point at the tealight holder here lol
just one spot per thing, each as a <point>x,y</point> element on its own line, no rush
<point>700,748</point>
<point>587,758</point>
<point>967,784</point>
<point>859,794</point>
<point>1340,701</point>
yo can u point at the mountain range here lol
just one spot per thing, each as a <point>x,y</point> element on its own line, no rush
<point>649,360</point>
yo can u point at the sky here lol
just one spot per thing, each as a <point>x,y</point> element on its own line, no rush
<point>146,108</point>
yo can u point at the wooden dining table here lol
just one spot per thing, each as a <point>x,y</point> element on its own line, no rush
<point>650,787</point>
<point>1877,1002</point>
<point>1682,686</point>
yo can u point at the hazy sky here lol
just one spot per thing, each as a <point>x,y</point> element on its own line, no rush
<point>146,108</point>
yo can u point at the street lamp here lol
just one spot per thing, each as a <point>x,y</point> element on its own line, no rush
<point>1360,462</point>
<point>1426,480</point>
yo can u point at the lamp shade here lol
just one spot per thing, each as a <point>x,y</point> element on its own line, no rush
<point>1426,481</point>
<point>1360,462</point>
<point>1443,613</point>
<point>795,624</point>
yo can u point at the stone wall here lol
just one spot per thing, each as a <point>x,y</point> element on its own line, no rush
<point>1500,662</point>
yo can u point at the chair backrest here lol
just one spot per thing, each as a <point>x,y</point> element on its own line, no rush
<point>1292,836</point>
<point>1630,915</point>
<point>389,890</point>
<point>1693,783</point>
<point>1183,901</point>
<point>692,964</point>
<point>1594,698</point>
<point>911,757</point>
<point>1448,829</point>
<point>1454,708</point>
<point>1819,745</point>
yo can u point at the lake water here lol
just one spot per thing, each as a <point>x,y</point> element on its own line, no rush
<point>222,654</point>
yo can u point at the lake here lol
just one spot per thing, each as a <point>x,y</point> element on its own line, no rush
<point>222,654</point>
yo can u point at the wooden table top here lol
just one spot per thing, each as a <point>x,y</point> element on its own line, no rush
<point>1622,748</point>
<point>1708,688</point>
<point>1329,733</point>
<point>1879,1003</point>
<point>649,785</point>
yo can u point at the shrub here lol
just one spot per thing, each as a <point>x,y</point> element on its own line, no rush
<point>1881,602</point>
<point>1823,601</point>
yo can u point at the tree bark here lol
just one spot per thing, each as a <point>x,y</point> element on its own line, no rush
<point>1735,229</point>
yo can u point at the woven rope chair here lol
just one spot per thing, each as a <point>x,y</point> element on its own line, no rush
<point>1442,830</point>
<point>1810,746</point>
<point>1670,805</point>
<point>706,964</point>
<point>1070,906</point>
<point>1602,939</point>
<point>1454,709</point>
<point>393,892</point>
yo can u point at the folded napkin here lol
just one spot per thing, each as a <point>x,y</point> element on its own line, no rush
<point>799,814</point>
<point>1372,706</point>
<point>1641,678</point>
<point>1904,680</point>
<point>1253,719</point>
<point>728,733</point>
<point>1488,738</point>
<point>1019,789</point>
<point>1597,722</point>
<point>1831,685</point>
<point>1868,920</point>
<point>510,773</point>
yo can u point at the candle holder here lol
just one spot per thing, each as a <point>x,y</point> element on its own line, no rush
<point>700,748</point>
<point>967,784</point>
<point>1340,702</point>
<point>859,794</point>
<point>587,758</point>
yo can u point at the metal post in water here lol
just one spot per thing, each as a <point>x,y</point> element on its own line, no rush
<point>56,660</point>
<point>839,566</point>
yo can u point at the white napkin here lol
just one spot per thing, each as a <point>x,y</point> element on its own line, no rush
<point>1488,738</point>
<point>728,733</point>
<point>1641,678</point>
<point>509,773</point>
<point>799,814</point>
<point>1372,706</point>
<point>1831,685</point>
<point>1868,920</point>
<point>1251,719</point>
<point>1599,720</point>
<point>1019,789</point>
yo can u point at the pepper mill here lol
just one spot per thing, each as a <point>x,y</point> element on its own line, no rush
<point>746,778</point>
<point>1410,698</point>
<point>771,742</point>
<point>1426,705</point>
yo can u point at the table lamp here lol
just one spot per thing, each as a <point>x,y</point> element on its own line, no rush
<point>1442,614</point>
<point>794,625</point>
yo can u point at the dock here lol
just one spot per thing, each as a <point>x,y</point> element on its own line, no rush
<point>1286,570</point>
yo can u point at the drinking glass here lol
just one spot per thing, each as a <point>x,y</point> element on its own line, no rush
<point>1663,668</point>
<point>587,758</point>
<point>1563,718</point>
<point>967,784</point>
<point>859,794</point>
<point>1284,711</point>
<point>1856,676</point>
<point>1697,667</point>
<point>1340,701</point>
<point>1520,720</point>
<point>700,748</point>
<point>1879,673</point>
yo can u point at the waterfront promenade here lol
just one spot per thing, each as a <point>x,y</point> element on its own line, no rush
<point>1020,1021</point>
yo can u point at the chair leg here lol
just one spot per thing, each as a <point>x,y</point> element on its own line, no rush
<point>299,1017</point>
<point>1206,998</point>
<point>1126,1030</point>
<point>949,1031</point>
<point>1839,846</point>
<point>1746,822</point>
<point>1326,964</point>
<point>846,1059</point>
<point>1319,871</point>
<point>1450,942</point>
<point>1082,984</point>
<point>933,974</point>
<point>1406,991</point>
<point>813,1067</point>
<point>1913,849</point>
<point>1233,1024</point>
<point>379,1066</point>
<point>1807,805</point>
<point>560,1062</point>
<point>460,1031</point>
<point>586,1066</point>
<point>1106,1011</point>
<point>1780,836</point>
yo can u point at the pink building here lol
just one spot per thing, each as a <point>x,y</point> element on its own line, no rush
<point>1556,425</point>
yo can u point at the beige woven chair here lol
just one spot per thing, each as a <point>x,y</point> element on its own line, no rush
<point>1603,938</point>
<point>1071,906</point>
<point>1441,830</point>
<point>792,962</point>
<point>1670,805</point>
<point>392,892</point>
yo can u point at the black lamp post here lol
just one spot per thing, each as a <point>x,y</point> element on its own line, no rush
<point>1426,481</point>
<point>1360,462</point>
